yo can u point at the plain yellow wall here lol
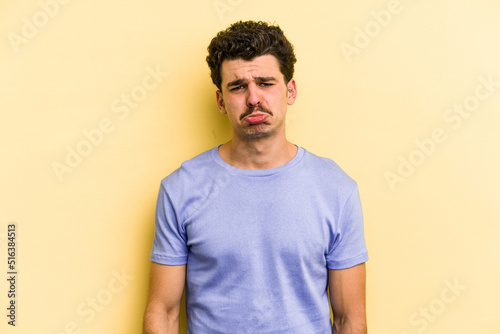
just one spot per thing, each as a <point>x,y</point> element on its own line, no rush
<point>404,95</point>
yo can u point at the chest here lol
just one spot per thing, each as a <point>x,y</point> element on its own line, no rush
<point>248,223</point>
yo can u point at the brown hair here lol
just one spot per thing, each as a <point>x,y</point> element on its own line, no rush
<point>247,40</point>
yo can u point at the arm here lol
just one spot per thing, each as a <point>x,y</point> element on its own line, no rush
<point>347,297</point>
<point>165,296</point>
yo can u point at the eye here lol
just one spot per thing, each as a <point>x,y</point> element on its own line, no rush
<point>266,84</point>
<point>237,88</point>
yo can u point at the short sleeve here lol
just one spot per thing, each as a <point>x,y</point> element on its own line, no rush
<point>349,248</point>
<point>169,243</point>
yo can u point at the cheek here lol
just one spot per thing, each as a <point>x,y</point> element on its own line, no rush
<point>234,106</point>
<point>280,106</point>
<point>232,112</point>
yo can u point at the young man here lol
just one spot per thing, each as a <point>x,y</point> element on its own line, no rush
<point>257,230</point>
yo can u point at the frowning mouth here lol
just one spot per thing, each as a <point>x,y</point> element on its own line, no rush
<point>256,118</point>
<point>256,115</point>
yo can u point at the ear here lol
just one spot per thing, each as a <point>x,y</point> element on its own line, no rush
<point>291,92</point>
<point>220,102</point>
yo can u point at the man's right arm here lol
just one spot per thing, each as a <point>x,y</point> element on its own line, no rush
<point>165,296</point>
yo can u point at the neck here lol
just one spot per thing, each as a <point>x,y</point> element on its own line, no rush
<point>261,153</point>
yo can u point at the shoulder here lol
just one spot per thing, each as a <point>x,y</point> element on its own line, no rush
<point>328,173</point>
<point>193,184</point>
<point>191,171</point>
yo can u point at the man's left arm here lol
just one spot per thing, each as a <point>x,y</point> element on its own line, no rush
<point>348,299</point>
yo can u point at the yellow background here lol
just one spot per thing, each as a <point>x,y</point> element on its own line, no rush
<point>437,226</point>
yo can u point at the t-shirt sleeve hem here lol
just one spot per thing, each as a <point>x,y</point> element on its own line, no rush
<point>348,263</point>
<point>168,260</point>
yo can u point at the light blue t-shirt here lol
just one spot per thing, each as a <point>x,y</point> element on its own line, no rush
<point>258,243</point>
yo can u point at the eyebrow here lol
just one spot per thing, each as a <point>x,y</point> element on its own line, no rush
<point>238,82</point>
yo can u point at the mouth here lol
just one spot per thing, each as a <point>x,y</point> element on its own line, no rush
<point>256,118</point>
<point>257,115</point>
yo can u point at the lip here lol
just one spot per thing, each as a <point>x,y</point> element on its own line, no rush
<point>256,118</point>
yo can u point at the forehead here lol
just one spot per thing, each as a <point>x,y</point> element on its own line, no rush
<point>262,66</point>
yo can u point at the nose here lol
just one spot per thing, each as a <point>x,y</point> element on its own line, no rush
<point>253,96</point>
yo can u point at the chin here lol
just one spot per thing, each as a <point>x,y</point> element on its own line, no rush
<point>256,134</point>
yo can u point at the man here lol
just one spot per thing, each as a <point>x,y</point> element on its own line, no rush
<point>257,229</point>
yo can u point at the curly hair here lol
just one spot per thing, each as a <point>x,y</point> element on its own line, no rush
<point>247,40</point>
